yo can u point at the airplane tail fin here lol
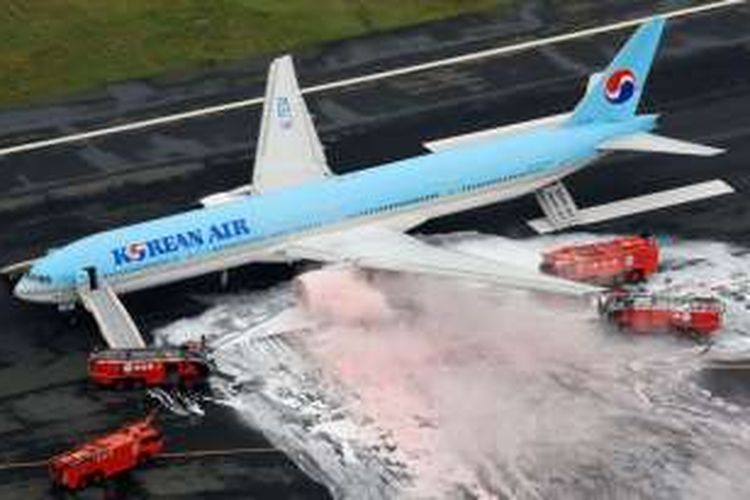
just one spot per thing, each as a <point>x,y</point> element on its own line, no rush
<point>614,94</point>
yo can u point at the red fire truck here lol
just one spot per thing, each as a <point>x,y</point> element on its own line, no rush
<point>623,260</point>
<point>148,367</point>
<point>645,313</point>
<point>108,455</point>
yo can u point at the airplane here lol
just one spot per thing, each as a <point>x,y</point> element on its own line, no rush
<point>297,209</point>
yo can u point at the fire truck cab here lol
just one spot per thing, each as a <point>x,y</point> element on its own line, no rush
<point>148,367</point>
<point>107,456</point>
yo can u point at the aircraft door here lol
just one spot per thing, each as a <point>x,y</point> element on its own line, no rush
<point>88,278</point>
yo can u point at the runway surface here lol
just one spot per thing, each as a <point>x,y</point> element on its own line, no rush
<point>700,83</point>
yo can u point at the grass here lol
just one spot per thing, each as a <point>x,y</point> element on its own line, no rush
<point>51,48</point>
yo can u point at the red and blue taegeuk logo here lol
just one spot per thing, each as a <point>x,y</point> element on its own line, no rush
<point>620,86</point>
<point>135,251</point>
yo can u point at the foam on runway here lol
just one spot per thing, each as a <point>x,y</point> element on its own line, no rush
<point>464,391</point>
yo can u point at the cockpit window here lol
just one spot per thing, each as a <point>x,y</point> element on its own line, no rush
<point>39,278</point>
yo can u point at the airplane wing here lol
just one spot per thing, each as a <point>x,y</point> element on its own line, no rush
<point>289,151</point>
<point>380,248</point>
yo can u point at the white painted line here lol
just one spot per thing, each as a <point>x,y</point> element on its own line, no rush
<point>640,204</point>
<point>17,268</point>
<point>209,110</point>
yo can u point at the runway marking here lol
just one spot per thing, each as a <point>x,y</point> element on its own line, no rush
<point>640,204</point>
<point>482,54</point>
<point>23,465</point>
<point>216,453</point>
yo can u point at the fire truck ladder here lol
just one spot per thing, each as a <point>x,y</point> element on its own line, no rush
<point>558,206</point>
<point>115,324</point>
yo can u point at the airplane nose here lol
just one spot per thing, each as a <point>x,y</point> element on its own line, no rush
<point>21,290</point>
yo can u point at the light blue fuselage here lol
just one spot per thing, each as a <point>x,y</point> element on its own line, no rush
<point>209,239</point>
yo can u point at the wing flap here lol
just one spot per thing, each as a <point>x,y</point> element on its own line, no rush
<point>380,248</point>
<point>289,151</point>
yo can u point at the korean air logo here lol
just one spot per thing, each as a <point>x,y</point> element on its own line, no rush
<point>135,251</point>
<point>620,86</point>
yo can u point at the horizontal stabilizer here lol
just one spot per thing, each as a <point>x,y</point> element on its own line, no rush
<point>657,144</point>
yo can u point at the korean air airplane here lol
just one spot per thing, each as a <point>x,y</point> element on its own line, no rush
<point>297,209</point>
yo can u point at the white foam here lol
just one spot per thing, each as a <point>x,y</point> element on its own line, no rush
<point>464,393</point>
